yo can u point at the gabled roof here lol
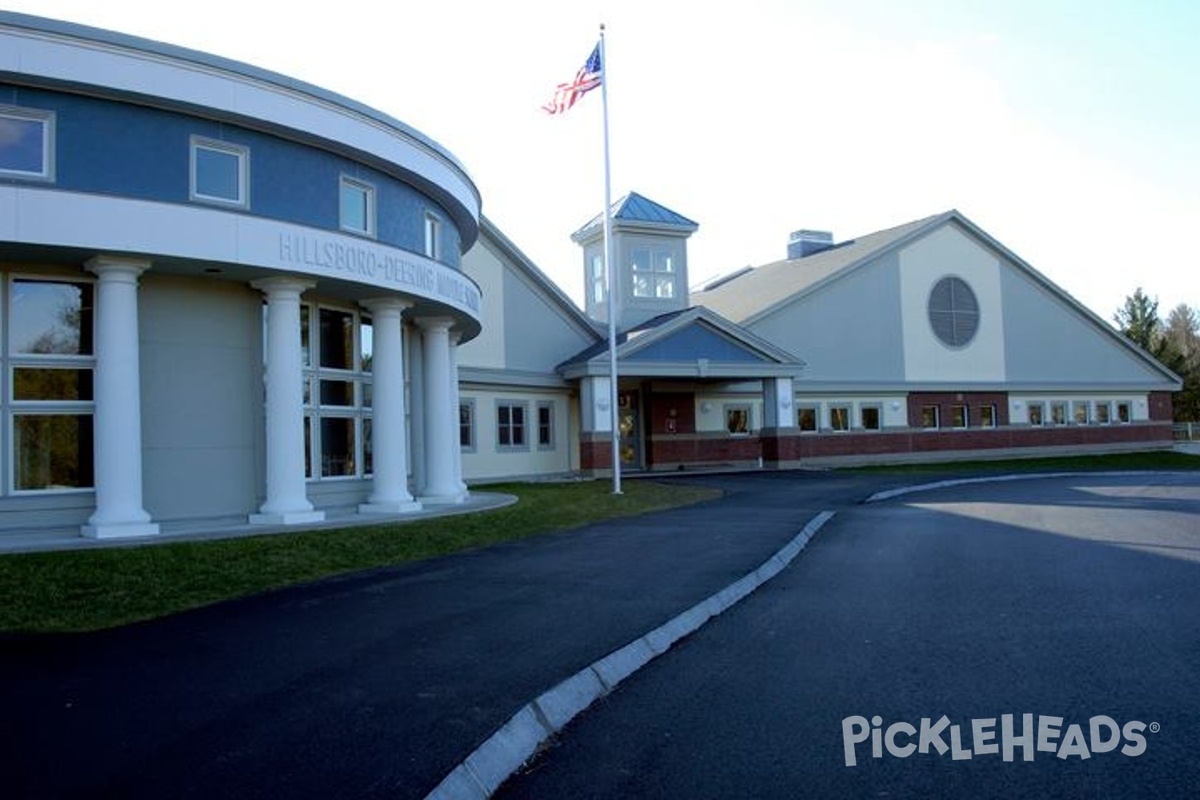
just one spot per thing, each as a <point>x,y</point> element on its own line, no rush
<point>635,211</point>
<point>754,293</point>
<point>518,259</point>
<point>751,295</point>
<point>692,343</point>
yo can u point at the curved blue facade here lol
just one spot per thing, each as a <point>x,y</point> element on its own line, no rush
<point>224,294</point>
<point>131,150</point>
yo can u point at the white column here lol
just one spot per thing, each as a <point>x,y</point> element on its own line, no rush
<point>389,494</point>
<point>441,417</point>
<point>117,437</point>
<point>287,499</point>
<point>777,403</point>
<point>416,410</point>
<point>455,402</point>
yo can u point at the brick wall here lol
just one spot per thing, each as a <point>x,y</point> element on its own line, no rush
<point>798,447</point>
<point>974,401</point>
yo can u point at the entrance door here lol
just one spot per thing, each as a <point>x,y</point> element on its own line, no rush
<point>630,429</point>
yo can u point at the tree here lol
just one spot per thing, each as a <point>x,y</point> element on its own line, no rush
<point>1138,321</point>
<point>1183,334</point>
<point>1176,345</point>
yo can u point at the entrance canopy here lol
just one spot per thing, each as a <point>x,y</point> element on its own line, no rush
<point>694,343</point>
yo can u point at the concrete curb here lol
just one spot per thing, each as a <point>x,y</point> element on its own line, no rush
<point>503,753</point>
<point>926,487</point>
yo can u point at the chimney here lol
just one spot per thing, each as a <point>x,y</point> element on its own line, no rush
<point>805,243</point>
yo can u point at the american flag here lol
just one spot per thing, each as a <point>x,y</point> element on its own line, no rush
<point>567,94</point>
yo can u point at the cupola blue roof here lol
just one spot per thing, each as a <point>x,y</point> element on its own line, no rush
<point>634,210</point>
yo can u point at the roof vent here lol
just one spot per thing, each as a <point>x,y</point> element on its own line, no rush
<point>805,242</point>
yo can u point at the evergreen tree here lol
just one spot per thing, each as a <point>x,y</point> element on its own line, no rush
<point>1176,345</point>
<point>1138,320</point>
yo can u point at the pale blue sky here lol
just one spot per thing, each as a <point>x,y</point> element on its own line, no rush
<point>1066,129</point>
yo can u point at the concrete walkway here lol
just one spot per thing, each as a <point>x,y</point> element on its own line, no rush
<point>28,541</point>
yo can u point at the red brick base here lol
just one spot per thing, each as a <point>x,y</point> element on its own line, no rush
<point>789,447</point>
<point>792,448</point>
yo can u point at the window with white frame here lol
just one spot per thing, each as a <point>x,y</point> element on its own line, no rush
<point>1036,413</point>
<point>1103,413</point>
<point>26,143</point>
<point>433,236</point>
<point>737,418</point>
<point>466,426</point>
<point>987,416</point>
<point>653,271</point>
<point>545,423</point>
<point>806,418</point>
<point>337,346</point>
<point>510,425</point>
<point>868,418</point>
<point>599,287</point>
<point>1058,413</point>
<point>50,404</point>
<point>839,418</point>
<point>1123,414</point>
<point>959,417</point>
<point>930,417</point>
<point>356,206</point>
<point>220,172</point>
<point>1080,412</point>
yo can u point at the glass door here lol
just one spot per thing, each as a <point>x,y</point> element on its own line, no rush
<point>629,426</point>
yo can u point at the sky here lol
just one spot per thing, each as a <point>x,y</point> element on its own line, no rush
<point>1069,130</point>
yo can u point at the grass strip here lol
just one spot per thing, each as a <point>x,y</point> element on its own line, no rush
<point>81,590</point>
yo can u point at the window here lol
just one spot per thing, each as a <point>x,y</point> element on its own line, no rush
<point>987,416</point>
<point>839,418</point>
<point>869,418</point>
<point>1103,413</point>
<point>653,273</point>
<point>599,288</point>
<point>338,447</point>
<point>737,419</point>
<point>959,417</point>
<point>1080,412</point>
<point>51,400</point>
<point>26,143</point>
<point>510,425</point>
<point>466,425</point>
<point>1123,412</point>
<point>336,338</point>
<point>357,207</point>
<point>336,344</point>
<point>806,418</point>
<point>433,236</point>
<point>930,417</point>
<point>219,172</point>
<point>545,412</point>
<point>1058,413</point>
<point>953,312</point>
<point>1037,414</point>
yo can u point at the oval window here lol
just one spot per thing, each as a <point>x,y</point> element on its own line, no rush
<point>953,312</point>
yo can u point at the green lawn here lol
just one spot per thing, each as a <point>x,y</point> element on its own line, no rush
<point>81,590</point>
<point>99,588</point>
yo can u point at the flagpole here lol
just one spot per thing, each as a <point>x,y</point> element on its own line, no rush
<point>612,280</point>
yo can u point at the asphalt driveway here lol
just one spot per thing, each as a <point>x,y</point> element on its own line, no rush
<point>378,685</point>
